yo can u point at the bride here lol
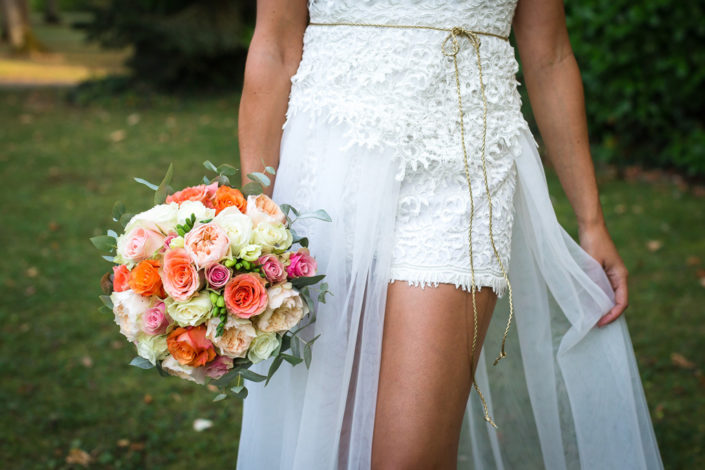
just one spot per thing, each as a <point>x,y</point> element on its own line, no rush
<point>401,118</point>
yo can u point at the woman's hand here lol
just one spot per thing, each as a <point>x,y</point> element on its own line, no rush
<point>597,242</point>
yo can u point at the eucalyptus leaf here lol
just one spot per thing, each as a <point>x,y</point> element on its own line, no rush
<point>227,170</point>
<point>118,210</point>
<point>286,208</point>
<point>269,170</point>
<point>299,282</point>
<point>293,360</point>
<point>151,186</point>
<point>261,178</point>
<point>107,301</point>
<point>273,368</point>
<point>161,191</point>
<point>252,189</point>
<point>125,218</point>
<point>252,376</point>
<point>206,180</point>
<point>220,396</point>
<point>105,310</point>
<point>319,214</point>
<point>241,391</point>
<point>142,363</point>
<point>210,166</point>
<point>227,378</point>
<point>110,259</point>
<point>112,233</point>
<point>104,243</point>
<point>307,355</point>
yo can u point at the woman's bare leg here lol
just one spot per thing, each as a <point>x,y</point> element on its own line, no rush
<point>424,378</point>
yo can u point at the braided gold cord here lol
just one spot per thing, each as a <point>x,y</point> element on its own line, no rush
<point>473,37</point>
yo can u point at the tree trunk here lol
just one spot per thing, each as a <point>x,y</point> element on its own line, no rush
<point>16,22</point>
<point>51,12</point>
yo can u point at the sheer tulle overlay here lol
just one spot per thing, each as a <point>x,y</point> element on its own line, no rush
<point>568,395</point>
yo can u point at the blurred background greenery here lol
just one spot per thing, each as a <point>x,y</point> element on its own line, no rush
<point>93,93</point>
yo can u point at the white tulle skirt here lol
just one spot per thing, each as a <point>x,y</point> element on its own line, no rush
<point>568,395</point>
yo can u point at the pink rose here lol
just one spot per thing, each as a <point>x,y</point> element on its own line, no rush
<point>155,320</point>
<point>219,367</point>
<point>201,193</point>
<point>207,244</point>
<point>301,264</point>
<point>170,236</point>
<point>179,277</point>
<point>217,275</point>
<point>139,244</point>
<point>273,268</point>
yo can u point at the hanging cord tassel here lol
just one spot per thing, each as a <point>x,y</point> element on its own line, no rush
<point>452,51</point>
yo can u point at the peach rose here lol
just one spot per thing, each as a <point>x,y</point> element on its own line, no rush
<point>121,278</point>
<point>261,208</point>
<point>190,347</point>
<point>206,244</point>
<point>201,193</point>
<point>226,196</point>
<point>245,295</point>
<point>145,279</point>
<point>139,243</point>
<point>178,274</point>
<point>236,338</point>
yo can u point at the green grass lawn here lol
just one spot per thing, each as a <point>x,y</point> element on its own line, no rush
<point>65,379</point>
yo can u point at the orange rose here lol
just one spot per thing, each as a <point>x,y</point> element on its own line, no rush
<point>245,295</point>
<point>145,280</point>
<point>121,278</point>
<point>190,347</point>
<point>226,196</point>
<point>202,193</point>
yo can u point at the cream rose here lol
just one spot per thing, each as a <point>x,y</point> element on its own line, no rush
<point>194,374</point>
<point>128,307</point>
<point>237,226</point>
<point>262,347</point>
<point>159,218</point>
<point>237,335</point>
<point>273,238</point>
<point>191,312</point>
<point>250,252</point>
<point>187,208</point>
<point>284,310</point>
<point>152,348</point>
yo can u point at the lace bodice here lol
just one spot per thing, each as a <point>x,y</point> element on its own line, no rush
<point>394,87</point>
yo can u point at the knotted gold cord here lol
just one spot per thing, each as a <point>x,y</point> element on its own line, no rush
<point>452,50</point>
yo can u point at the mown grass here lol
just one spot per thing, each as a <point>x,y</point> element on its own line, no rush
<point>65,379</point>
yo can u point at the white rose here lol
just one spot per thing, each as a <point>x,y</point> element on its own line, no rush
<point>284,310</point>
<point>192,312</point>
<point>272,237</point>
<point>250,252</point>
<point>237,225</point>
<point>152,348</point>
<point>237,335</point>
<point>262,347</point>
<point>159,218</point>
<point>187,208</point>
<point>194,374</point>
<point>128,307</point>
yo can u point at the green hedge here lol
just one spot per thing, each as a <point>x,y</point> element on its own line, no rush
<point>643,67</point>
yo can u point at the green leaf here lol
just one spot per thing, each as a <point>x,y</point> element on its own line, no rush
<point>107,301</point>
<point>227,170</point>
<point>151,186</point>
<point>240,391</point>
<point>286,208</point>
<point>206,180</point>
<point>112,233</point>
<point>295,346</point>
<point>104,243</point>
<point>161,191</point>
<point>252,376</point>
<point>293,360</point>
<point>307,354</point>
<point>319,214</point>
<point>299,282</point>
<point>105,310</point>
<point>269,170</point>
<point>141,362</point>
<point>252,188</point>
<point>110,259</point>
<point>260,178</point>
<point>227,378</point>
<point>210,166</point>
<point>220,396</point>
<point>273,368</point>
<point>118,210</point>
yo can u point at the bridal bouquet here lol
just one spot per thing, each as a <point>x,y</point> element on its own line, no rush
<point>207,282</point>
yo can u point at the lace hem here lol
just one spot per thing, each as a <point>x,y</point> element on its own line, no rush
<point>423,276</point>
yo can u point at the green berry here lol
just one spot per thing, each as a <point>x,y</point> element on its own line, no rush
<point>220,302</point>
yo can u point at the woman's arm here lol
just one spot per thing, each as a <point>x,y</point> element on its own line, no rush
<point>272,59</point>
<point>556,94</point>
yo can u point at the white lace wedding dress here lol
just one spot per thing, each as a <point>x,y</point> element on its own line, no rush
<point>373,137</point>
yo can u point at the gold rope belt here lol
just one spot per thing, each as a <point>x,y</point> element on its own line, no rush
<point>452,50</point>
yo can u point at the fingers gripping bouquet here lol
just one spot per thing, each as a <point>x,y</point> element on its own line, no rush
<point>207,282</point>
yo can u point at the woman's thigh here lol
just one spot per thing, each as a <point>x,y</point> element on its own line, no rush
<point>424,378</point>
